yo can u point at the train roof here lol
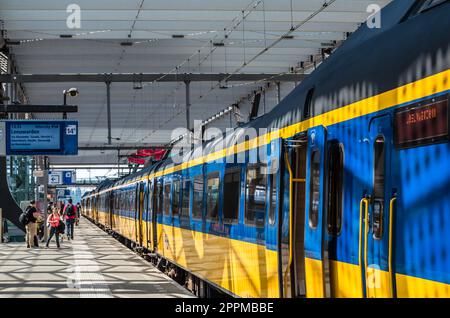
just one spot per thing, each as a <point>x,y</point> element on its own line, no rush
<point>354,67</point>
<point>352,73</point>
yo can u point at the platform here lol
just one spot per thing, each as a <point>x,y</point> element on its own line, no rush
<point>93,265</point>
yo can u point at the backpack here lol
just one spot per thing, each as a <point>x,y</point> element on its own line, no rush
<point>23,219</point>
<point>69,210</point>
<point>61,227</point>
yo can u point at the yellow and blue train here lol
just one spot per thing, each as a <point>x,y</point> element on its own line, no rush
<point>352,198</point>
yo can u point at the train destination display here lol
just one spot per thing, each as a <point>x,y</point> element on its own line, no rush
<point>423,123</point>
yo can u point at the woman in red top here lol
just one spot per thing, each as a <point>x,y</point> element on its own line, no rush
<point>54,219</point>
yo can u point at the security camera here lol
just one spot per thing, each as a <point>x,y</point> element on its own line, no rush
<point>72,92</point>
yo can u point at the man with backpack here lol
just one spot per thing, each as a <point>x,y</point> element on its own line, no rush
<point>29,219</point>
<point>70,213</point>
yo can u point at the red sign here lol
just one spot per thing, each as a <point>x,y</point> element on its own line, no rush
<point>423,123</point>
<point>137,161</point>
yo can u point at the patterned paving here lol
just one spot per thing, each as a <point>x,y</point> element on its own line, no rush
<point>94,265</point>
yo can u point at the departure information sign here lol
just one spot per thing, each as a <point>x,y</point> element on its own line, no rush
<point>41,137</point>
<point>423,123</point>
<point>34,137</point>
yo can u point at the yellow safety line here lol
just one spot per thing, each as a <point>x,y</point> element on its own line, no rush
<point>391,218</point>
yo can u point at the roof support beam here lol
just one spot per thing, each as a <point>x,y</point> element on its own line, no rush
<point>18,108</point>
<point>133,78</point>
<point>118,148</point>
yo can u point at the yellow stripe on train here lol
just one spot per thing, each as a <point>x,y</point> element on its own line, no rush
<point>422,88</point>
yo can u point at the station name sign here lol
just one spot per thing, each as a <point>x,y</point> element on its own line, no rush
<point>40,137</point>
<point>423,123</point>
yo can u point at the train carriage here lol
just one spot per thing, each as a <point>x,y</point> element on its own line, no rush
<point>345,195</point>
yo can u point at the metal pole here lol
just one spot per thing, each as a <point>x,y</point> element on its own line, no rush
<point>108,109</point>
<point>278,92</point>
<point>45,180</point>
<point>118,163</point>
<point>188,105</point>
<point>65,103</point>
<point>1,225</point>
<point>36,185</point>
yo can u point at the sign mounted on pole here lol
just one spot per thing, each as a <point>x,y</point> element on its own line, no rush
<point>67,177</point>
<point>55,178</point>
<point>2,139</point>
<point>40,137</point>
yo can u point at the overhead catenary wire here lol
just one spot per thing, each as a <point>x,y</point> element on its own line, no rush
<point>273,44</point>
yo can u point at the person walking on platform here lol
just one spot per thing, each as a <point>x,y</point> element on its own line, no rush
<point>78,213</point>
<point>54,220</point>
<point>70,213</point>
<point>31,228</point>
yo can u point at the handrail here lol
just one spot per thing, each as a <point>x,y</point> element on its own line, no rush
<point>391,218</point>
<point>366,238</point>
<point>288,165</point>
<point>364,201</point>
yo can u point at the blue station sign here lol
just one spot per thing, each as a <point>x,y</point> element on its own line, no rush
<point>41,137</point>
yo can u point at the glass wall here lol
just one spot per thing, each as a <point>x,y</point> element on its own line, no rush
<point>20,177</point>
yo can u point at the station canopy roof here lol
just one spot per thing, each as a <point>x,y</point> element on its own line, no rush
<point>166,36</point>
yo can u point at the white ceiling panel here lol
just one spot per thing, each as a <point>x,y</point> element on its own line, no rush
<point>148,116</point>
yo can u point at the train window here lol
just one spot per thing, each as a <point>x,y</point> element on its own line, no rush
<point>158,198</point>
<point>231,191</point>
<point>335,182</point>
<point>378,187</point>
<point>273,198</point>
<point>255,194</point>
<point>166,201</point>
<point>150,196</point>
<point>212,196</point>
<point>198,197</point>
<point>133,201</point>
<point>122,201</point>
<point>176,196</point>
<point>314,186</point>
<point>308,103</point>
<point>186,199</point>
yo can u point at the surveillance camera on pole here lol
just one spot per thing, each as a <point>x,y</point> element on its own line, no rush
<point>72,92</point>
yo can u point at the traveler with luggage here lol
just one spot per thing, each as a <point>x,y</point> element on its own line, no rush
<point>70,213</point>
<point>54,220</point>
<point>29,219</point>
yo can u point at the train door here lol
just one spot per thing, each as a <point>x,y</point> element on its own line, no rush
<point>157,207</point>
<point>377,211</point>
<point>295,159</point>
<point>111,211</point>
<point>95,209</point>
<point>316,253</point>
<point>139,213</point>
<point>150,218</point>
